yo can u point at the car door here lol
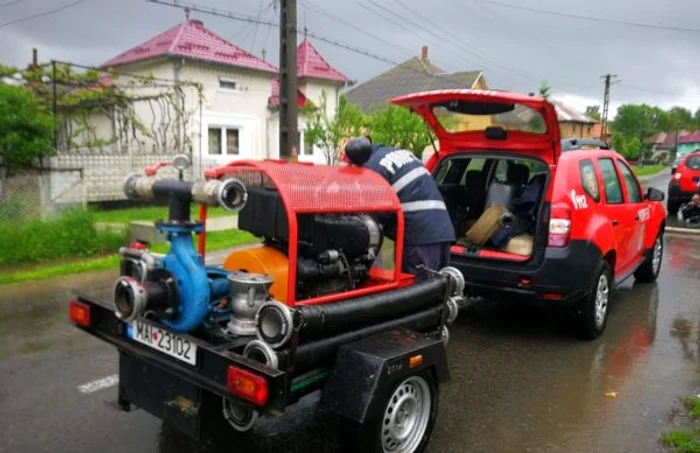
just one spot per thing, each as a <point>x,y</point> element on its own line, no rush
<point>635,202</point>
<point>619,213</point>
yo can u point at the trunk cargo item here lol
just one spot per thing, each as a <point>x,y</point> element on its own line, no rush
<point>520,245</point>
<point>487,224</point>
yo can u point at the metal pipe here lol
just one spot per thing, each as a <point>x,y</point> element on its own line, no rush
<point>331,319</point>
<point>314,354</point>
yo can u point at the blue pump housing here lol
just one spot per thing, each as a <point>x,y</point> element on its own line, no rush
<point>199,287</point>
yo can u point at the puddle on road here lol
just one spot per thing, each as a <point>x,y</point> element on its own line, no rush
<point>35,315</point>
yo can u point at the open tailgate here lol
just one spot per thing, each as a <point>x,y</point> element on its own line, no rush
<point>479,120</point>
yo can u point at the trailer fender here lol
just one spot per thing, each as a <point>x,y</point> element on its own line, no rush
<point>364,372</point>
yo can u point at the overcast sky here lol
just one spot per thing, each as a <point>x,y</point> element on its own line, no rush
<point>516,49</point>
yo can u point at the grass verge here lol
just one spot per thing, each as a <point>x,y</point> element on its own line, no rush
<point>216,240</point>
<point>68,236</point>
<point>685,440</point>
<point>149,213</point>
<point>647,170</point>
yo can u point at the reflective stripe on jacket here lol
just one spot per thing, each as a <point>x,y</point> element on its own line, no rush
<point>426,218</point>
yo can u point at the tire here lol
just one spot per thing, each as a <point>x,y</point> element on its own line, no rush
<point>672,208</point>
<point>379,435</point>
<point>593,310</point>
<point>648,272</point>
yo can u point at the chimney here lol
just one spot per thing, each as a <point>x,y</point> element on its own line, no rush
<point>424,53</point>
<point>35,58</point>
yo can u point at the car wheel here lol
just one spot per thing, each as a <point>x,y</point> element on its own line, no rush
<point>649,270</point>
<point>406,421</point>
<point>672,208</point>
<point>594,308</point>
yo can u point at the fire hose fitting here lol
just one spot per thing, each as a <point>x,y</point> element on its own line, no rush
<point>230,194</point>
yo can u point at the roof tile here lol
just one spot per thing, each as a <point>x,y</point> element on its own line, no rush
<point>413,75</point>
<point>191,39</point>
<point>693,137</point>
<point>310,64</point>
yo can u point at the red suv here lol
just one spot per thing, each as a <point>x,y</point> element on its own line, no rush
<point>557,227</point>
<point>684,183</point>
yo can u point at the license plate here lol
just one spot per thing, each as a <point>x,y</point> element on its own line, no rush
<point>163,341</point>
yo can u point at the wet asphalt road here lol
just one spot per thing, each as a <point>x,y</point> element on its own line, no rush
<point>520,381</point>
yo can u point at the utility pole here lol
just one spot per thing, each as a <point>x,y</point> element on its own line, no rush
<point>288,80</point>
<point>606,104</point>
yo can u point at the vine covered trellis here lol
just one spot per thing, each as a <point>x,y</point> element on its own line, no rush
<point>103,110</point>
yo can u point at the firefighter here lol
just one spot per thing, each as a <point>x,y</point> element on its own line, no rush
<point>691,211</point>
<point>428,230</point>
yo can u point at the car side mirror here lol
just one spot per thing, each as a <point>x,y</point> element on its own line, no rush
<point>654,194</point>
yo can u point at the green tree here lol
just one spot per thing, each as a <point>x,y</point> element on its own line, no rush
<point>545,90</point>
<point>696,119</point>
<point>633,148</point>
<point>399,127</point>
<point>593,112</point>
<point>680,118</point>
<point>641,121</point>
<point>327,131</point>
<point>619,143</point>
<point>26,129</point>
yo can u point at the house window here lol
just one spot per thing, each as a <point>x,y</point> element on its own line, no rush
<point>227,84</point>
<point>215,145</point>
<point>308,150</point>
<point>232,141</point>
<point>224,141</point>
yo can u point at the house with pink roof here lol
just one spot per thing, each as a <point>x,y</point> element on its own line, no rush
<point>237,116</point>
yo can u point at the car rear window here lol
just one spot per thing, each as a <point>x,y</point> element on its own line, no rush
<point>464,116</point>
<point>693,162</point>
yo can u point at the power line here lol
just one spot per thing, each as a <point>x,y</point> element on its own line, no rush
<point>591,18</point>
<point>514,25</point>
<point>455,41</point>
<point>236,16</point>
<point>46,13</point>
<point>13,2</point>
<point>340,20</point>
<point>655,91</point>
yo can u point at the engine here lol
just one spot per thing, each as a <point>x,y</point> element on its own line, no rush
<point>335,252</point>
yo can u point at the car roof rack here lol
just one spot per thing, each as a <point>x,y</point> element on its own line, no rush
<point>570,144</point>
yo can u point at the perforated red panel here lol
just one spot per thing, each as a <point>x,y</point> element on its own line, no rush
<point>318,188</point>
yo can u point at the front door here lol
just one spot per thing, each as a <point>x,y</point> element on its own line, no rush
<point>618,213</point>
<point>635,203</point>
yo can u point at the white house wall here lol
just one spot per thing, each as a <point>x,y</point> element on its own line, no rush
<point>244,108</point>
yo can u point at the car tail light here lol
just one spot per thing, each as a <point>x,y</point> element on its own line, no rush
<point>79,313</point>
<point>559,227</point>
<point>677,176</point>
<point>247,385</point>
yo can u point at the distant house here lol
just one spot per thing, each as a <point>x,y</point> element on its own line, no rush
<point>689,143</point>
<point>663,143</point>
<point>415,74</point>
<point>237,116</point>
<point>656,143</point>
<point>573,123</point>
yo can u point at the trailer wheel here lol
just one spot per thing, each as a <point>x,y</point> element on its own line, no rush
<point>405,424</point>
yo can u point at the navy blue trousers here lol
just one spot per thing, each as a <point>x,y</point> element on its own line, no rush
<point>432,256</point>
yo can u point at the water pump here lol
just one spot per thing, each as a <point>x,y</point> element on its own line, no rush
<point>177,288</point>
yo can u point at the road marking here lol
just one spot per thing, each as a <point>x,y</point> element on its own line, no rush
<point>99,384</point>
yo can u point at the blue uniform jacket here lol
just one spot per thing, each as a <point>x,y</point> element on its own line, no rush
<point>426,219</point>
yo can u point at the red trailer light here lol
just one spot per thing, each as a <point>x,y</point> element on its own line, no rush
<point>247,385</point>
<point>79,313</point>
